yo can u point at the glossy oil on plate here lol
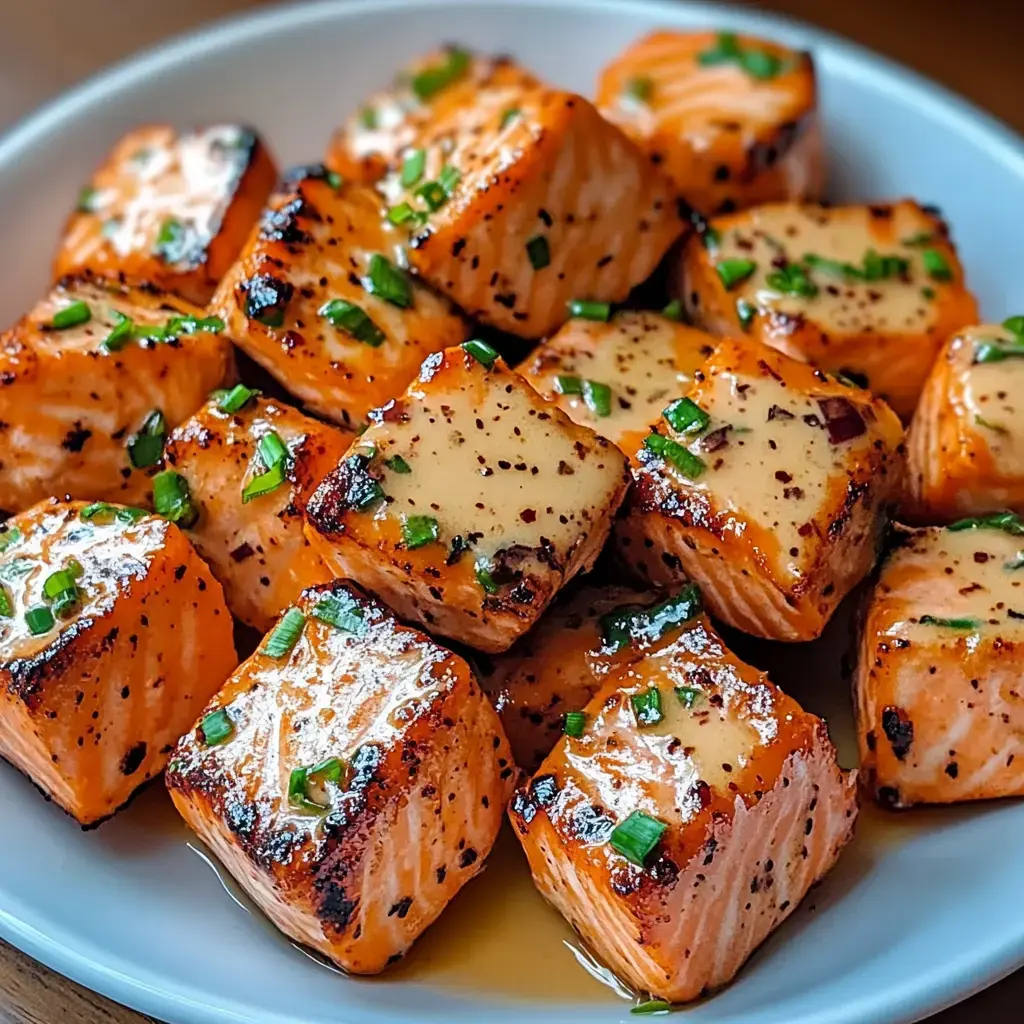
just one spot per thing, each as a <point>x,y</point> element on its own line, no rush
<point>922,910</point>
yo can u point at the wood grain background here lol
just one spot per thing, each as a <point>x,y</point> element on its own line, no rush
<point>48,45</point>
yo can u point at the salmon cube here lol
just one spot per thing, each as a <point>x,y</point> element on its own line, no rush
<point>965,447</point>
<point>686,817</point>
<point>871,292</point>
<point>318,300</point>
<point>530,203</point>
<point>93,379</point>
<point>940,715</point>
<point>769,485</point>
<point>542,683</point>
<point>170,208</point>
<point>113,635</point>
<point>733,119</point>
<point>433,87</point>
<point>250,463</point>
<point>616,376</point>
<point>469,502</point>
<point>351,776</point>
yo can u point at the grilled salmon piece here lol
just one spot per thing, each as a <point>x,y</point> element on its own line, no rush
<point>966,442</point>
<point>170,208</point>
<point>92,379</point>
<point>528,202</point>
<point>318,300</point>
<point>616,376</point>
<point>351,776</point>
<point>391,122</point>
<point>469,502</point>
<point>940,715</point>
<point>113,635</point>
<point>769,485</point>
<point>559,665</point>
<point>688,819</point>
<point>733,119</point>
<point>868,291</point>
<point>249,463</point>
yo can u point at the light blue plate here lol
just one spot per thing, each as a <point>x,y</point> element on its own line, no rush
<point>922,911</point>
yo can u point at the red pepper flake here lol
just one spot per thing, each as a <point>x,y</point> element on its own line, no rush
<point>843,420</point>
<point>716,440</point>
<point>776,412</point>
<point>767,369</point>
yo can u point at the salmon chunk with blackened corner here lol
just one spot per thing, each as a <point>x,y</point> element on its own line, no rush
<point>733,119</point>
<point>91,382</point>
<point>940,714</point>
<point>247,463</point>
<point>113,636</point>
<point>170,208</point>
<point>868,291</point>
<point>388,126</point>
<point>469,502</point>
<point>615,376</point>
<point>686,816</point>
<point>965,447</point>
<point>319,299</point>
<point>351,776</point>
<point>528,206</point>
<point>769,484</point>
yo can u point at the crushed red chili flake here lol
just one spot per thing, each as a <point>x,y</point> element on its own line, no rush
<point>776,412</point>
<point>716,440</point>
<point>842,419</point>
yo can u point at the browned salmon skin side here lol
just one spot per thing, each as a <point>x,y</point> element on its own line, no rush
<point>93,698</point>
<point>169,209</point>
<point>357,859</point>
<point>469,502</point>
<point>73,401</point>
<point>733,119</point>
<point>940,715</point>
<point>252,540</point>
<point>738,789</point>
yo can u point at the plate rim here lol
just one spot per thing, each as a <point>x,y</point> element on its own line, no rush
<point>918,996</point>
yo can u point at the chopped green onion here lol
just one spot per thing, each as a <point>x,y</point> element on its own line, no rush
<point>792,280</point>
<point>6,608</point>
<point>57,583</point>
<point>305,785</point>
<point>449,179</point>
<point>710,238</point>
<point>368,118</point>
<point>170,241</point>
<point>397,465</point>
<point>631,623</point>
<point>931,620</point>
<point>189,324</point>
<point>575,723</point>
<point>597,397</point>
<point>508,116</point>
<point>235,399</point>
<point>538,251</point>
<point>73,315</point>
<point>342,612</point>
<point>412,167</point>
<point>433,195</point>
<point>334,179</point>
<point>285,635</point>
<point>481,352</point>
<point>640,88</point>
<point>673,311</point>
<point>588,310</point>
<point>273,455</point>
<point>647,706</point>
<point>690,465</point>
<point>9,537</point>
<point>86,200</point>
<point>688,695</point>
<point>734,272</point>
<point>433,79</point>
<point>120,334</point>
<point>920,238</point>
<point>39,620</point>
<point>172,500</point>
<point>104,513</point>
<point>936,265</point>
<point>388,281</point>
<point>217,728</point>
<point>354,321</point>
<point>1015,325</point>
<point>403,212</point>
<point>485,579</point>
<point>637,836</point>
<point>418,531</point>
<point>567,384</point>
<point>745,312</point>
<point>146,448</point>
<point>685,416</point>
<point>1006,522</point>
<point>759,64</point>
<point>652,1006</point>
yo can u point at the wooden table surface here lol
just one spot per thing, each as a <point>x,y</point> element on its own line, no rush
<point>47,45</point>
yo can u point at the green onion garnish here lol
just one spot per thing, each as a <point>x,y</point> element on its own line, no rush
<point>432,80</point>
<point>61,591</point>
<point>575,723</point>
<point>640,88</point>
<point>759,64</point>
<point>588,310</point>
<point>1006,522</point>
<point>334,179</point>
<point>685,416</point>
<point>403,212</point>
<point>170,240</point>
<point>412,167</point>
<point>919,238</point>
<point>146,448</point>
<point>232,401</point>
<point>597,397</point>
<point>485,579</point>
<point>342,612</point>
<point>354,321</point>
<point>9,537</point>
<point>103,513</point>
<point>1015,325</point>
<point>120,334</point>
<point>217,728</point>
<point>172,500</point>
<point>637,836</point>
<point>305,785</point>
<point>388,281</point>
<point>6,608</point>
<point>631,623</point>
<point>931,620</point>
<point>690,465</point>
<point>73,315</point>
<point>481,352</point>
<point>688,695</point>
<point>734,272</point>
<point>792,280</point>
<point>273,454</point>
<point>418,531</point>
<point>397,465</point>
<point>39,620</point>
<point>86,200</point>
<point>567,384</point>
<point>508,116</point>
<point>449,179</point>
<point>673,311</point>
<point>652,1006</point>
<point>745,313</point>
<point>433,195</point>
<point>285,635</point>
<point>936,265</point>
<point>647,706</point>
<point>538,251</point>
<point>368,118</point>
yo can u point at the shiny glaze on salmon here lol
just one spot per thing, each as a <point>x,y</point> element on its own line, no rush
<point>170,209</point>
<point>966,442</point>
<point>746,782</point>
<point>69,407</point>
<point>787,510</point>
<point>868,291</point>
<point>469,502</point>
<point>423,776</point>
<point>255,548</point>
<point>645,359</point>
<point>313,247</point>
<point>940,715</point>
<point>91,706</point>
<point>728,136</point>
